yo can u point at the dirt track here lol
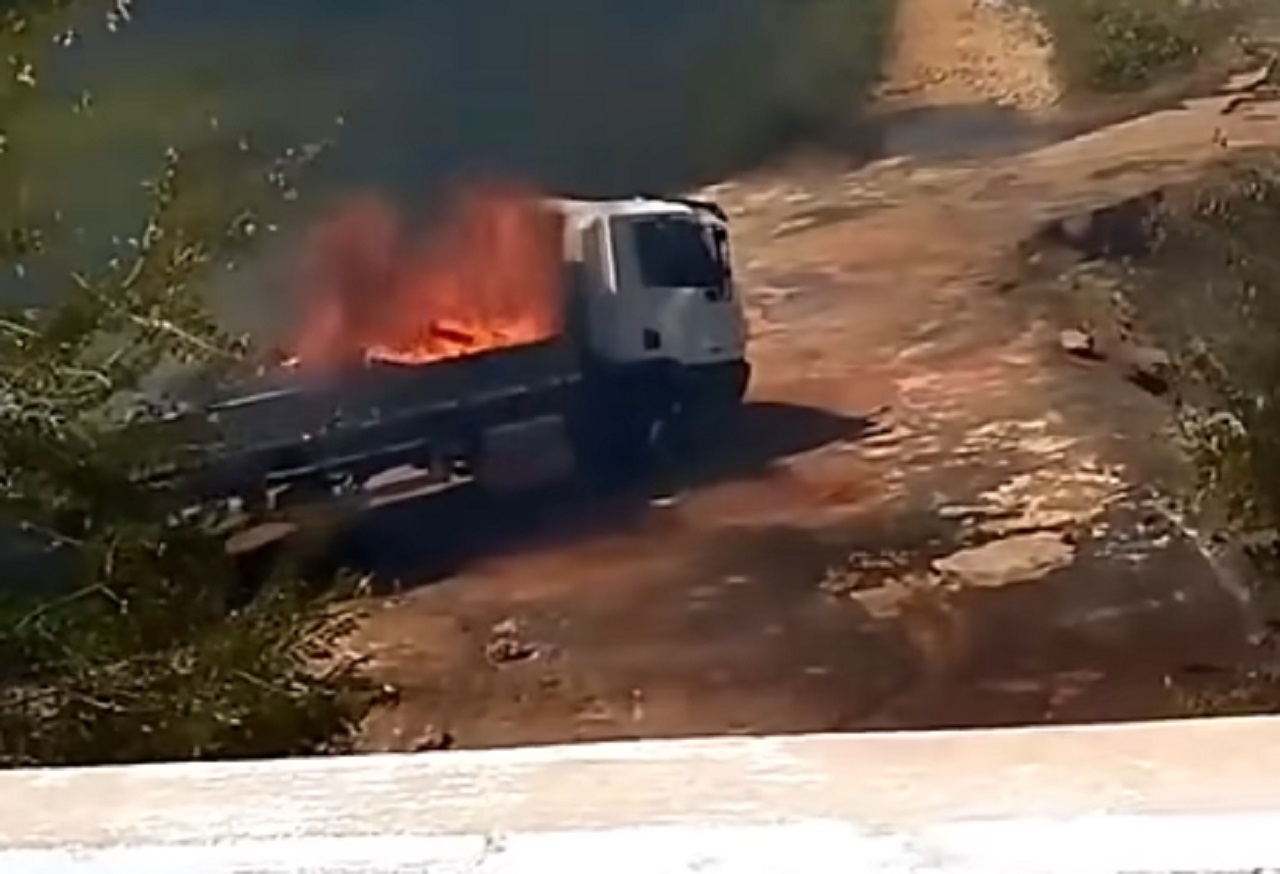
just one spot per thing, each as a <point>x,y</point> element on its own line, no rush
<point>929,515</point>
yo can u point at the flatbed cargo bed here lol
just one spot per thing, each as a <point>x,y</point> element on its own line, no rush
<point>290,426</point>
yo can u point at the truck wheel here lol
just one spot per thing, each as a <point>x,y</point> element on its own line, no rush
<point>695,427</point>
<point>631,447</point>
<point>617,450</point>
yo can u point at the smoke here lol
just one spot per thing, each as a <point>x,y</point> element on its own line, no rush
<point>587,96</point>
<point>590,95</point>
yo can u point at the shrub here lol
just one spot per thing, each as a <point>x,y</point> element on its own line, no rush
<point>1125,45</point>
<point>147,650</point>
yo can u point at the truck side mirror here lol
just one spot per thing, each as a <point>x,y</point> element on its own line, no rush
<point>722,253</point>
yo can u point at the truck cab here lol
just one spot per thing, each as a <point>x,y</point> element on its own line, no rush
<point>655,311</point>
<point>655,293</point>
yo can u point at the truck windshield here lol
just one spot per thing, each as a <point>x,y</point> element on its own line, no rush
<point>677,253</point>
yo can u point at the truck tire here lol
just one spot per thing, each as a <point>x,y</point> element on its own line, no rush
<point>627,451</point>
<point>615,447</point>
<point>613,423</point>
<point>702,418</point>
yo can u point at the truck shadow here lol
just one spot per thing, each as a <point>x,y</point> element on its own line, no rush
<point>419,541</point>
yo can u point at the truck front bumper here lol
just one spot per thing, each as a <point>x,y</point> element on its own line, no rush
<point>721,383</point>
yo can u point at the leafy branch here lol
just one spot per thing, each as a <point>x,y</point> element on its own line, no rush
<point>144,644</point>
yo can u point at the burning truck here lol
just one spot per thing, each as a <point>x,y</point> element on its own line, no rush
<point>530,339</point>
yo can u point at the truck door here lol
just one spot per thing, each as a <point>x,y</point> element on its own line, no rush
<point>677,290</point>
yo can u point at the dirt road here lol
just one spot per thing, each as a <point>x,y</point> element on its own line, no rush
<point>928,516</point>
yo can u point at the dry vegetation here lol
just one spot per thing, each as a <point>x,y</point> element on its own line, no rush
<point>1191,272</point>
<point>1103,46</point>
<point>139,645</point>
<point>1217,253</point>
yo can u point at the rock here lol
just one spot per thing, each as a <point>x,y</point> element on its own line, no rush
<point>1149,368</point>
<point>433,740</point>
<point>1076,228</point>
<point>1248,80</point>
<point>1011,560</point>
<point>1245,88</point>
<point>1078,343</point>
<point>506,646</point>
<point>1232,103</point>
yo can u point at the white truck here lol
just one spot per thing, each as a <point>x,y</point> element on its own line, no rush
<point>653,343</point>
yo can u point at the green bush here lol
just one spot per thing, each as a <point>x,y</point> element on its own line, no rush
<point>1110,46</point>
<point>148,649</point>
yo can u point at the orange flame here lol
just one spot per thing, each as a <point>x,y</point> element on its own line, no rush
<point>489,276</point>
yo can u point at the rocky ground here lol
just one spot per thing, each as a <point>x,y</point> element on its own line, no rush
<point>936,510</point>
